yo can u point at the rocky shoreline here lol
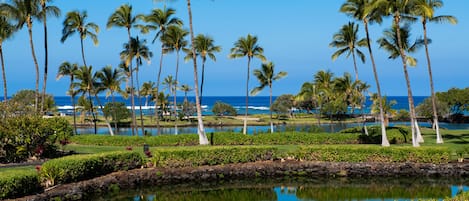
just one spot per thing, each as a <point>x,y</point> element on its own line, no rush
<point>267,169</point>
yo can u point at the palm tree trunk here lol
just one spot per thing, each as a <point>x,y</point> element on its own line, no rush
<point>157,114</point>
<point>46,55</point>
<point>91,102</point>
<point>415,140</point>
<point>202,81</point>
<point>114,111</point>
<point>105,117</point>
<point>139,99</point>
<point>270,108</point>
<point>5,93</point>
<point>439,139</point>
<point>384,138</point>
<point>355,65</point>
<point>202,137</point>
<point>132,100</point>
<point>247,99</point>
<point>92,112</point>
<point>174,93</point>
<point>72,95</point>
<point>30,31</point>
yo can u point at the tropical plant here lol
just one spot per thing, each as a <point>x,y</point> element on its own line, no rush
<point>147,90</point>
<point>222,109</point>
<point>396,42</point>
<point>247,47</point>
<point>363,10</point>
<point>425,9</point>
<point>387,106</point>
<point>348,42</point>
<point>310,94</point>
<point>110,80</point>
<point>174,41</point>
<point>123,17</point>
<point>170,84</point>
<point>68,69</point>
<point>117,111</point>
<point>6,31</point>
<point>266,76</point>
<point>204,47</point>
<point>186,89</point>
<point>160,19</point>
<point>284,105</point>
<point>85,85</point>
<point>139,51</point>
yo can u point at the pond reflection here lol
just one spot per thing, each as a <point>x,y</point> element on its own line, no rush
<point>298,189</point>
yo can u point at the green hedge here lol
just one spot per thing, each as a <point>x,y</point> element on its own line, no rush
<point>81,167</point>
<point>296,138</point>
<point>395,135</point>
<point>363,153</point>
<point>17,183</point>
<point>199,156</point>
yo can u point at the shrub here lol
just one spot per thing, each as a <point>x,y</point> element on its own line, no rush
<point>184,157</point>
<point>221,109</point>
<point>117,111</point>
<point>342,153</point>
<point>396,135</point>
<point>17,183</point>
<point>80,167</point>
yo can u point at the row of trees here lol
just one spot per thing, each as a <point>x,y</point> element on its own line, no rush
<point>396,42</point>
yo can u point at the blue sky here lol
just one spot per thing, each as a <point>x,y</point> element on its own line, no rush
<point>294,34</point>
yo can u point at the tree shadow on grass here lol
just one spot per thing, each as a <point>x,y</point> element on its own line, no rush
<point>458,139</point>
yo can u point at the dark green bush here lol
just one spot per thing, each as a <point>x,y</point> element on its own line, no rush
<point>222,109</point>
<point>362,153</point>
<point>198,156</point>
<point>396,135</point>
<point>17,183</point>
<point>80,167</point>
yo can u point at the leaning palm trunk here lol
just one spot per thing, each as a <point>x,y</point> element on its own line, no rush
<point>247,99</point>
<point>355,65</point>
<point>84,63</point>
<point>202,137</point>
<point>139,100</point>
<point>384,139</point>
<point>174,93</point>
<point>439,139</point>
<point>105,117</point>
<point>5,93</point>
<point>270,108</point>
<point>157,114</point>
<point>202,81</point>
<point>46,57</point>
<point>132,100</point>
<point>30,31</point>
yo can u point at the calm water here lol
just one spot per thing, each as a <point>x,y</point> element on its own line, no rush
<point>297,190</point>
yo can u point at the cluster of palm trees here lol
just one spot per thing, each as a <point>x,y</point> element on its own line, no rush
<point>396,41</point>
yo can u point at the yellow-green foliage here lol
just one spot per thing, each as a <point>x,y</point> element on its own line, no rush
<point>16,183</point>
<point>362,153</point>
<point>80,167</point>
<point>198,156</point>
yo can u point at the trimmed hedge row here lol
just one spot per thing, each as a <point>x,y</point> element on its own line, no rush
<point>344,153</point>
<point>199,156</point>
<point>219,139</point>
<point>17,183</point>
<point>81,167</point>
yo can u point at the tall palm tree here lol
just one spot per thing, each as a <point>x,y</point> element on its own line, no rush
<point>139,51</point>
<point>397,43</point>
<point>24,12</point>
<point>68,69</point>
<point>99,87</point>
<point>425,9</point>
<point>75,22</point>
<point>202,137</point>
<point>185,88</point>
<point>266,75</point>
<point>348,42</point>
<point>363,10</point>
<point>85,85</point>
<point>6,31</point>
<point>174,41</point>
<point>147,90</point>
<point>309,92</point>
<point>124,18</point>
<point>160,19</point>
<point>111,80</point>
<point>247,47</point>
<point>170,84</point>
<point>204,47</point>
<point>324,85</point>
<point>46,10</point>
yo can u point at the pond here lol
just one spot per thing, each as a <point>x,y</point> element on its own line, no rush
<point>335,127</point>
<point>298,190</point>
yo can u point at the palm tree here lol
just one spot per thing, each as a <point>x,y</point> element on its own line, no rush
<point>324,85</point>
<point>45,10</point>
<point>124,18</point>
<point>174,41</point>
<point>363,10</point>
<point>75,22</point>
<point>347,41</point>
<point>68,69</point>
<point>160,20</point>
<point>99,87</point>
<point>204,47</point>
<point>266,75</point>
<point>85,75</point>
<point>6,31</point>
<point>23,12</point>
<point>309,92</point>
<point>247,47</point>
<point>202,137</point>
<point>425,10</point>
<point>185,88</point>
<point>111,80</point>
<point>397,46</point>
<point>139,51</point>
<point>148,89</point>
